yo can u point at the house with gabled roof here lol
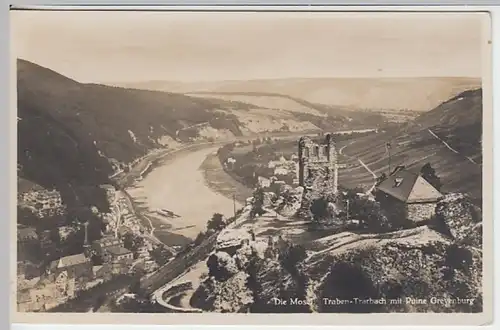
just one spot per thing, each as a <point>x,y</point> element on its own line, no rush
<point>418,196</point>
<point>76,266</point>
<point>120,259</point>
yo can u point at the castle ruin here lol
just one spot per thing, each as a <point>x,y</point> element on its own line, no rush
<point>318,168</point>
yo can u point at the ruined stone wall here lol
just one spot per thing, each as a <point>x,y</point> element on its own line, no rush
<point>318,168</point>
<point>421,211</point>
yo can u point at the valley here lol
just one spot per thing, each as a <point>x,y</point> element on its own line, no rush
<point>76,137</point>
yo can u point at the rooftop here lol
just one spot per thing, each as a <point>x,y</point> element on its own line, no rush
<point>409,187</point>
<point>108,241</point>
<point>68,261</point>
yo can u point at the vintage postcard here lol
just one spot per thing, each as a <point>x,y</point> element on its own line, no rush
<point>180,167</point>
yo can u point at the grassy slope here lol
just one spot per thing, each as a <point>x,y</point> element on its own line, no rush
<point>457,121</point>
<point>322,115</point>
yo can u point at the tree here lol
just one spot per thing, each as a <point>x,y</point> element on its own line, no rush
<point>160,255</point>
<point>258,203</point>
<point>319,209</point>
<point>365,210</point>
<point>216,223</point>
<point>429,174</point>
<point>132,242</point>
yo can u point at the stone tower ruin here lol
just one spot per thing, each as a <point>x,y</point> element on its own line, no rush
<point>318,168</point>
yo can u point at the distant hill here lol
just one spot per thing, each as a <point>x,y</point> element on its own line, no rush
<point>72,134</point>
<point>461,110</point>
<point>456,122</point>
<point>421,94</point>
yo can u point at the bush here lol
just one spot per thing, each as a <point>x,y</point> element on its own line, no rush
<point>319,209</point>
<point>161,255</point>
<point>132,242</point>
<point>429,174</point>
<point>216,223</point>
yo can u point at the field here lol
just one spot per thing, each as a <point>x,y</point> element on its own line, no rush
<point>413,151</point>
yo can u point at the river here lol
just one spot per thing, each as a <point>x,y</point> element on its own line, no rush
<point>178,185</point>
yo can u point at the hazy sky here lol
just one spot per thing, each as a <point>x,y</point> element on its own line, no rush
<point>141,46</point>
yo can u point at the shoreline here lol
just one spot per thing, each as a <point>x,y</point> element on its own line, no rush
<point>223,183</point>
<point>160,157</point>
<point>148,194</point>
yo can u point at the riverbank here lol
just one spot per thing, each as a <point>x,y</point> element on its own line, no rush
<point>178,184</point>
<point>217,179</point>
<point>157,181</point>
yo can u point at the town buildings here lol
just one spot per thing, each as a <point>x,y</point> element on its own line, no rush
<point>409,190</point>
<point>75,266</point>
<point>112,251</point>
<point>120,259</point>
<point>42,203</point>
<point>101,246</point>
<point>51,268</point>
<point>63,279</point>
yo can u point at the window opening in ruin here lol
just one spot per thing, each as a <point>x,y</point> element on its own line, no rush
<point>316,151</point>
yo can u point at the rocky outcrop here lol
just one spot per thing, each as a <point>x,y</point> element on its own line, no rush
<point>268,198</point>
<point>457,216</point>
<point>414,270</point>
<point>226,290</point>
<point>289,201</point>
<point>231,296</point>
<point>403,270</point>
<point>232,239</point>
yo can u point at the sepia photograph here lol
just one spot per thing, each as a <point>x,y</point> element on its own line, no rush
<point>251,163</point>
